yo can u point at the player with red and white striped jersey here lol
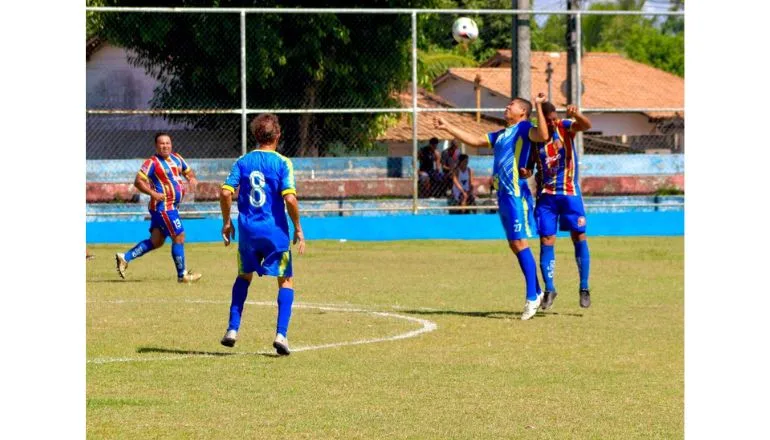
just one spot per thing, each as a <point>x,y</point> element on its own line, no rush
<point>160,177</point>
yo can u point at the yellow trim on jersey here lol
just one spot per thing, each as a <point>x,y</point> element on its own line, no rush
<point>143,176</point>
<point>240,264</point>
<point>289,191</point>
<point>525,206</point>
<point>229,188</point>
<point>489,142</point>
<point>515,163</point>
<point>284,263</point>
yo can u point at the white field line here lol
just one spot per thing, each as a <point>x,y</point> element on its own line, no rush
<point>427,326</point>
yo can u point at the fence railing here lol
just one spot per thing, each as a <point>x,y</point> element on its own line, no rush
<point>345,82</point>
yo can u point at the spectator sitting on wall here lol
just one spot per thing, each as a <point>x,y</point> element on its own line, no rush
<point>449,160</point>
<point>430,168</point>
<point>462,183</point>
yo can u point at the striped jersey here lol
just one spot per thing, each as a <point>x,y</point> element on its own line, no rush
<point>512,149</point>
<point>165,176</point>
<point>264,177</point>
<point>557,162</point>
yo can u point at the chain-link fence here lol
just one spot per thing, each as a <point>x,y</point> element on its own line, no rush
<point>356,83</point>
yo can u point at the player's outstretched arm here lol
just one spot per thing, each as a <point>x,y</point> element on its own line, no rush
<point>465,137</point>
<point>539,134</point>
<point>292,206</point>
<point>581,123</point>
<point>225,205</point>
<point>141,183</point>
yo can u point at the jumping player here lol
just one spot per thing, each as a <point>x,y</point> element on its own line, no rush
<point>559,200</point>
<point>512,151</point>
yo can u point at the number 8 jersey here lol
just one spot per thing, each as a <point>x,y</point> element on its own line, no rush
<point>263,177</point>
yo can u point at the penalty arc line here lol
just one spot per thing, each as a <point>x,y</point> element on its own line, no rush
<point>427,326</point>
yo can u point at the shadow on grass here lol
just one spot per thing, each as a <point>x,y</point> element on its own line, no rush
<point>114,281</point>
<point>500,314</point>
<point>196,352</point>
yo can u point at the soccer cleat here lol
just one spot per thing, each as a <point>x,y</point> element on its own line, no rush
<point>189,277</point>
<point>121,264</point>
<point>548,298</point>
<point>228,340</point>
<point>530,308</point>
<point>281,344</point>
<point>585,298</point>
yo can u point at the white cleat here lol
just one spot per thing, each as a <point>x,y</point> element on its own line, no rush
<point>189,277</point>
<point>229,339</point>
<point>121,264</point>
<point>530,308</point>
<point>281,345</point>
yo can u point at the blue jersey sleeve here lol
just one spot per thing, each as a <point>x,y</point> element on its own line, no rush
<point>287,177</point>
<point>234,179</point>
<point>492,137</point>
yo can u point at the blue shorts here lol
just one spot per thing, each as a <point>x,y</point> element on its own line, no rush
<point>263,256</point>
<point>515,215</point>
<point>168,222</point>
<point>568,211</point>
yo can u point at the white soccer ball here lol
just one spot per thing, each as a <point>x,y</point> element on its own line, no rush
<point>464,30</point>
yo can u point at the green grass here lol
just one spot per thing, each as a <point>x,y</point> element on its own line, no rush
<point>614,371</point>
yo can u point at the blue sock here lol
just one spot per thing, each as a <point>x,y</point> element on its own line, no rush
<point>177,252</point>
<point>547,266</point>
<point>583,259</point>
<point>528,266</point>
<point>285,299</point>
<point>240,291</point>
<point>140,249</point>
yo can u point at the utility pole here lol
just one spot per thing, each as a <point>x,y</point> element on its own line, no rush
<point>572,47</point>
<point>521,82</point>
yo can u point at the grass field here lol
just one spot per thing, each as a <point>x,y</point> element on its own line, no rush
<point>614,371</point>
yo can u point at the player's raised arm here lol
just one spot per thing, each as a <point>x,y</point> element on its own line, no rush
<point>581,123</point>
<point>465,137</point>
<point>539,134</point>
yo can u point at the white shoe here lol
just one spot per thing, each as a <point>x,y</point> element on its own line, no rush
<point>189,277</point>
<point>530,308</point>
<point>281,344</point>
<point>229,339</point>
<point>121,264</point>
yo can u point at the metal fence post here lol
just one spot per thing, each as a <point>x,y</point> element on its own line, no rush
<point>415,169</point>
<point>244,147</point>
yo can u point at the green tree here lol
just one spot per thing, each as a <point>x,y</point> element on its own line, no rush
<point>293,61</point>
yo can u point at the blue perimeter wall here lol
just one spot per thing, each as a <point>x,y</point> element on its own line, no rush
<point>404,227</point>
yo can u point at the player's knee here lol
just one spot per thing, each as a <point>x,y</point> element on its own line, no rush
<point>548,240</point>
<point>578,236</point>
<point>518,245</point>
<point>179,239</point>
<point>246,276</point>
<point>285,282</point>
<point>157,242</point>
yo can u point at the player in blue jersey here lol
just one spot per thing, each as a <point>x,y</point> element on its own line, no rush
<point>559,201</point>
<point>512,152</point>
<point>267,192</point>
<point>160,177</point>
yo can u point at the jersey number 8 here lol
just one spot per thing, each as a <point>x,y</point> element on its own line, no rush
<point>257,194</point>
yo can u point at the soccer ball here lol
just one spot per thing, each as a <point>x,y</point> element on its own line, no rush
<point>464,30</point>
